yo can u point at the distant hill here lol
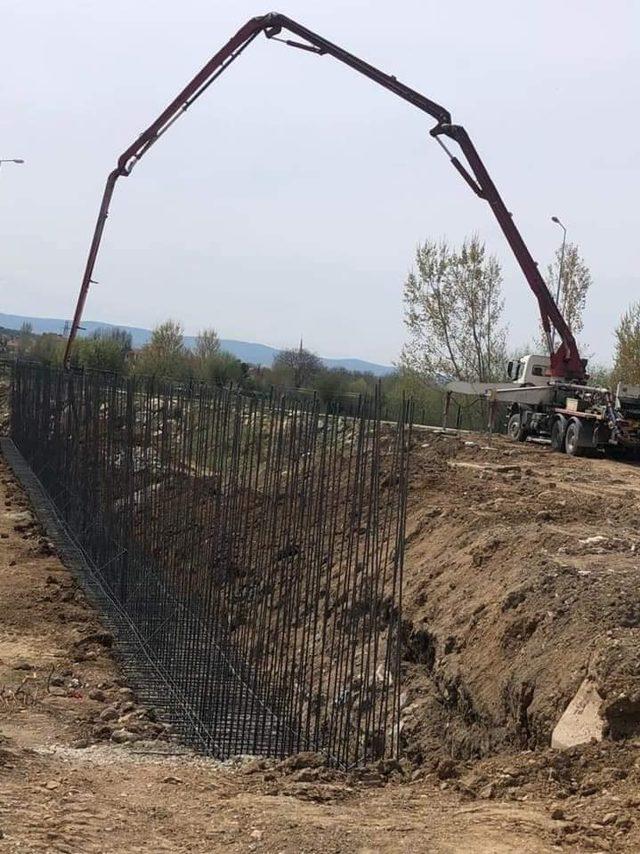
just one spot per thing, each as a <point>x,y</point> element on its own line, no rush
<point>254,354</point>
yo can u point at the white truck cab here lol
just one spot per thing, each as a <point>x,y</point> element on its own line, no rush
<point>529,370</point>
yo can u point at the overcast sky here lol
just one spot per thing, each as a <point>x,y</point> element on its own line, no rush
<point>290,199</point>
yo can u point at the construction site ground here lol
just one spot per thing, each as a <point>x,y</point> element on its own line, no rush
<point>521,581</point>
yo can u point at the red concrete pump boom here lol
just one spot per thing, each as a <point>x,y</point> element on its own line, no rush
<point>565,362</point>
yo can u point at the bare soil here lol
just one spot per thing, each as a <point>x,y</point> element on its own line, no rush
<point>522,573</point>
<point>507,608</point>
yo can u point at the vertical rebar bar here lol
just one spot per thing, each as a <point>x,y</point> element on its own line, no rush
<point>253,544</point>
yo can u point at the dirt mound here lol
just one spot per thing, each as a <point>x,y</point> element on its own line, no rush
<point>591,790</point>
<point>521,579</point>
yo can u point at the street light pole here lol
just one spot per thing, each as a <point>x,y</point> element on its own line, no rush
<point>10,160</point>
<point>564,243</point>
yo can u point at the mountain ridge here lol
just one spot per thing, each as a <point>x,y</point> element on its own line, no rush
<point>247,351</point>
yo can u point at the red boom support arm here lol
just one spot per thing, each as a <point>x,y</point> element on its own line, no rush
<point>565,362</point>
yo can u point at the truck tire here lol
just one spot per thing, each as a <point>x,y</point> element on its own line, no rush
<point>572,440</point>
<point>557,435</point>
<point>515,430</point>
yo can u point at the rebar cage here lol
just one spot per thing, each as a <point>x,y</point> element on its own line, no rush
<point>254,547</point>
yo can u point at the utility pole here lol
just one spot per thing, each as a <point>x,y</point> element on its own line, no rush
<point>564,243</point>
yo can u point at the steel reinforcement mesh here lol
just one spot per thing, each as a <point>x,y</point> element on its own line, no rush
<point>248,552</point>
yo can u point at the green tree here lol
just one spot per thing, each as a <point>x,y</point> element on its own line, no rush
<point>361,384</point>
<point>296,368</point>
<point>600,374</point>
<point>453,313</point>
<point>165,355</point>
<point>48,348</point>
<point>575,282</point>
<point>221,368</point>
<point>211,364</point>
<point>405,383</point>
<point>627,353</point>
<point>207,344</point>
<point>330,384</point>
<point>25,339</point>
<point>104,349</point>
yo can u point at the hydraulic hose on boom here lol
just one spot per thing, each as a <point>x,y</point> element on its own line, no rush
<point>565,362</point>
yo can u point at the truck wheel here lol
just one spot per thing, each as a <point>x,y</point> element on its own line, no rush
<point>572,440</point>
<point>515,430</point>
<point>557,436</point>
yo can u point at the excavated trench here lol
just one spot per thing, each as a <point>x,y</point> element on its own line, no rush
<point>520,583</point>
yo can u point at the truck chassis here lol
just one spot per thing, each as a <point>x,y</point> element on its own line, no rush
<point>579,419</point>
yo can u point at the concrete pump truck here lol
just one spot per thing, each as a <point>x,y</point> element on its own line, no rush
<point>573,415</point>
<point>548,396</point>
